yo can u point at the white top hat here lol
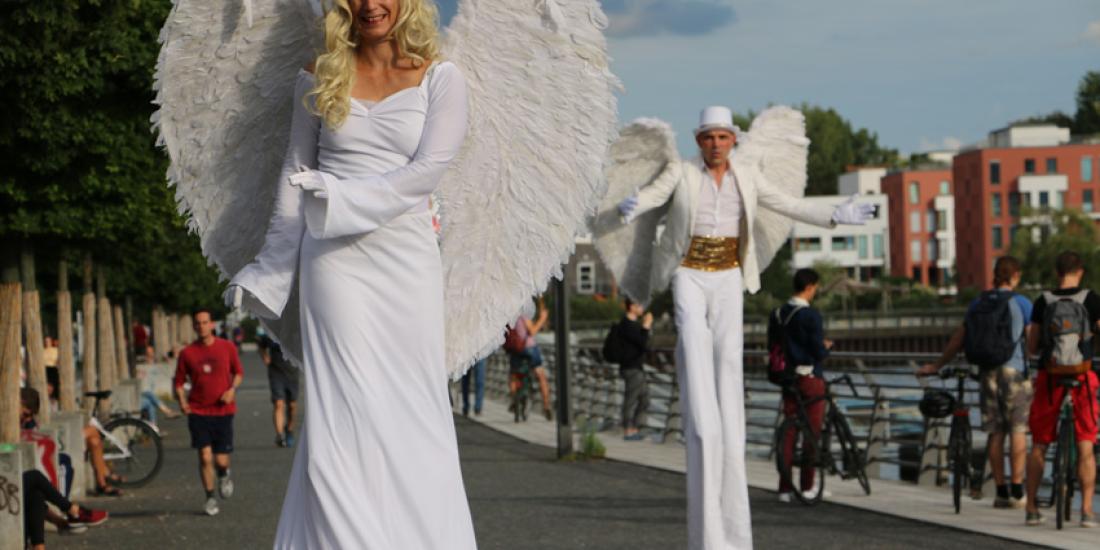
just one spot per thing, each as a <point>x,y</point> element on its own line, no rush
<point>715,117</point>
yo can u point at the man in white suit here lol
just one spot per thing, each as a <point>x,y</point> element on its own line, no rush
<point>708,253</point>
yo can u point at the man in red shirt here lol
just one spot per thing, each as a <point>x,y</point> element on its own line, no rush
<point>213,367</point>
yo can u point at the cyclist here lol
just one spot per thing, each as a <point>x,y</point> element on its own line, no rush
<point>530,358</point>
<point>800,330</point>
<point>1067,307</point>
<point>993,337</point>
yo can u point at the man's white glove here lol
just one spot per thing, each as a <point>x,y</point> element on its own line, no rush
<point>233,297</point>
<point>627,206</point>
<point>853,213</point>
<point>311,181</point>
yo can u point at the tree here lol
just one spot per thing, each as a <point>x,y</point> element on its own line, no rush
<point>1057,118</point>
<point>1037,243</point>
<point>1087,119</point>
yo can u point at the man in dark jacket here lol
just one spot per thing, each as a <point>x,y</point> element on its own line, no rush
<point>632,339</point>
<point>806,348</point>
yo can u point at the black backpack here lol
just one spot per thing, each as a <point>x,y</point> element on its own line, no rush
<point>613,349</point>
<point>990,341</point>
<point>780,367</point>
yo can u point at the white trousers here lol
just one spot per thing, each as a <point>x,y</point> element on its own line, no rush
<point>709,364</point>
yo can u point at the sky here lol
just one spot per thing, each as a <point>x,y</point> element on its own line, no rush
<point>923,74</point>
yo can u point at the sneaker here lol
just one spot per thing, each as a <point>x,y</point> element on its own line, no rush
<point>1089,522</point>
<point>72,528</point>
<point>1034,518</point>
<point>549,415</point>
<point>88,517</point>
<point>225,486</point>
<point>812,494</point>
<point>1003,502</point>
<point>636,436</point>
<point>1017,502</point>
<point>280,440</point>
<point>785,498</point>
<point>289,439</point>
<point>211,507</point>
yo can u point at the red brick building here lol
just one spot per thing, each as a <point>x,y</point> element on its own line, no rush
<point>1033,166</point>
<point>922,240</point>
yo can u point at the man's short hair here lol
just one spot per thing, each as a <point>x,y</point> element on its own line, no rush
<point>627,302</point>
<point>805,277</point>
<point>196,312</point>
<point>1068,262</point>
<point>1005,269</point>
<point>28,397</point>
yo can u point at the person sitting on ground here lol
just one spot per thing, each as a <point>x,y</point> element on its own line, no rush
<point>1063,323</point>
<point>627,344</point>
<point>799,329</point>
<point>37,491</point>
<point>997,348</point>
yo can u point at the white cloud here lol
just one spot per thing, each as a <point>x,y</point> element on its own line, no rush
<point>949,143</point>
<point>652,17</point>
<point>1092,32</point>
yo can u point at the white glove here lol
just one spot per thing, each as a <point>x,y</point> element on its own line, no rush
<point>233,297</point>
<point>853,213</point>
<point>627,206</point>
<point>311,181</point>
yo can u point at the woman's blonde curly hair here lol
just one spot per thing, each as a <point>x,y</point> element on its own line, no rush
<point>416,33</point>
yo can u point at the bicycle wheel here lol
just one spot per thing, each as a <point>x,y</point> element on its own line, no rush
<point>958,449</point>
<point>1063,472</point>
<point>133,450</point>
<point>802,463</point>
<point>853,460</point>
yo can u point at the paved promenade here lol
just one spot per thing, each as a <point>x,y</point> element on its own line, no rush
<point>520,496</point>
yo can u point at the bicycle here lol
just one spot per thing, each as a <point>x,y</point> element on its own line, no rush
<point>816,453</point>
<point>960,440</point>
<point>1064,467</point>
<point>132,447</point>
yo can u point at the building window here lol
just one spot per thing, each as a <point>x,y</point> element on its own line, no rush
<point>945,187</point>
<point>1059,200</point>
<point>998,238</point>
<point>586,277</point>
<point>914,251</point>
<point>1052,166</point>
<point>941,220</point>
<point>876,247</point>
<point>914,192</point>
<point>1013,204</point>
<point>1086,168</point>
<point>1086,201</point>
<point>996,205</point>
<point>945,252</point>
<point>916,274</point>
<point>863,247</point>
<point>933,250</point>
<point>995,171</point>
<point>844,243</point>
<point>1044,199</point>
<point>914,222</point>
<point>1029,166</point>
<point>1025,199</point>
<point>930,221</point>
<point>808,244</point>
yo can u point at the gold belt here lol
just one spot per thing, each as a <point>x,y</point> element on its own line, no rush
<point>713,253</point>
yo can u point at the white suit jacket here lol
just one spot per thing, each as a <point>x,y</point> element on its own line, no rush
<point>681,180</point>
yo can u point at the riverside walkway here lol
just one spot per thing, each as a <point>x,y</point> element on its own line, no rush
<point>521,497</point>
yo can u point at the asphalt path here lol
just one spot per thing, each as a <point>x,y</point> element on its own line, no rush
<point>521,498</point>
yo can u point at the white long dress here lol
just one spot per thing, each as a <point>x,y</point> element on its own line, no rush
<point>377,463</point>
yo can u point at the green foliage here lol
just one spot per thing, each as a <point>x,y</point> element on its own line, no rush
<point>1067,230</point>
<point>1087,119</point>
<point>591,446</point>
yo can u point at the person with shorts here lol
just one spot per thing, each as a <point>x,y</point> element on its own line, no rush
<point>282,378</point>
<point>530,359</point>
<point>213,367</point>
<point>1054,310</point>
<point>1006,391</point>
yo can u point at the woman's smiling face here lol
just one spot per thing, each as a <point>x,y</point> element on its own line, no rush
<point>373,19</point>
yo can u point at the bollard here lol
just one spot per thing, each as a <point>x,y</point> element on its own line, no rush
<point>11,498</point>
<point>878,435</point>
<point>933,453</point>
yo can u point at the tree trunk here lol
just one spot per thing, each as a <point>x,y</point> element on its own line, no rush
<point>66,370</point>
<point>88,359</point>
<point>32,328</point>
<point>11,308</point>
<point>105,344</point>
<point>123,371</point>
<point>183,325</point>
<point>131,352</point>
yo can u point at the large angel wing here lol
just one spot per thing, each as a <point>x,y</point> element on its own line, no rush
<point>777,143</point>
<point>542,113</point>
<point>225,89</point>
<point>642,151</point>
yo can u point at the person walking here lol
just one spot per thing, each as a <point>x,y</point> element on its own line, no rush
<point>800,330</point>
<point>1063,323</point>
<point>477,374</point>
<point>282,379</point>
<point>213,368</point>
<point>993,336</point>
<point>627,344</point>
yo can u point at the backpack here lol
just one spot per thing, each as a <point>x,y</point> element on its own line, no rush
<point>1066,334</point>
<point>780,370</point>
<point>613,350</point>
<point>990,341</point>
<point>514,340</point>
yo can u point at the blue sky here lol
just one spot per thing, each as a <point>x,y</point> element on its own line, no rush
<point>922,73</point>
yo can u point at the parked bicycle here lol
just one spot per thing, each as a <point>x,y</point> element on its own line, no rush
<point>816,453</point>
<point>132,446</point>
<point>1064,467</point>
<point>941,404</point>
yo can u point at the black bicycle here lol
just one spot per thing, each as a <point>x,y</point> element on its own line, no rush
<point>815,453</point>
<point>960,439</point>
<point>1064,467</point>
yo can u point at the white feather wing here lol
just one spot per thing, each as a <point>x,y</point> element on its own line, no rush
<point>225,92</point>
<point>639,155</point>
<point>776,142</point>
<point>542,113</point>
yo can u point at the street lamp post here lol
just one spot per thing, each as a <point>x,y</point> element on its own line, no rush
<point>561,353</point>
